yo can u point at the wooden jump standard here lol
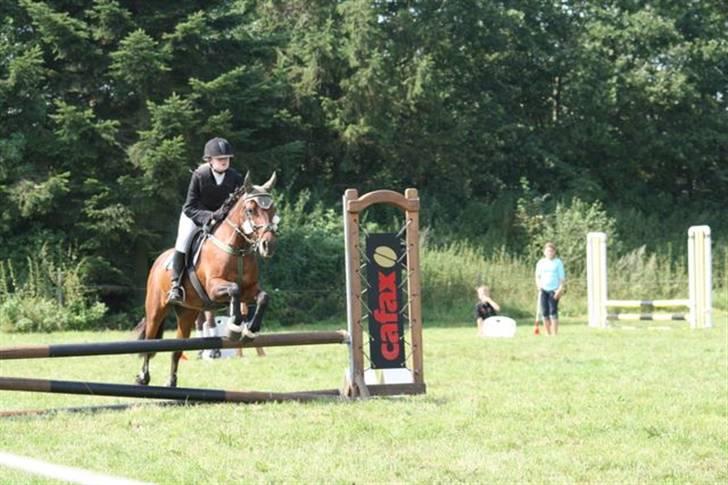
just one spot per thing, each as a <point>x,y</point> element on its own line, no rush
<point>353,206</point>
<point>158,392</point>
<point>169,345</point>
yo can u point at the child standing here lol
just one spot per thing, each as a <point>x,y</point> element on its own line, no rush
<point>550,281</point>
<point>486,307</point>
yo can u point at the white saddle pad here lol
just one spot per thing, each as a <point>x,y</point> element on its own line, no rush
<point>499,326</point>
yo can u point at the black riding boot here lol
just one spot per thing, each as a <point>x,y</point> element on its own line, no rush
<point>176,293</point>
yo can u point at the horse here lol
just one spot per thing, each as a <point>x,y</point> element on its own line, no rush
<point>250,227</point>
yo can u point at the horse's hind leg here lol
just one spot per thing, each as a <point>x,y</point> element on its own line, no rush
<point>154,328</point>
<point>211,331</point>
<point>185,321</point>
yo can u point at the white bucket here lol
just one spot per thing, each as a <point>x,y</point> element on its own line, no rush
<point>498,326</point>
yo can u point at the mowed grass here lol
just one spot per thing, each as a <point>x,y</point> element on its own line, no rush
<point>643,405</point>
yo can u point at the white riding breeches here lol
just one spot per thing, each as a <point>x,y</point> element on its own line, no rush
<point>185,230</point>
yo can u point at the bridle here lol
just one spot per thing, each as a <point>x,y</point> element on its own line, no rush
<point>247,229</point>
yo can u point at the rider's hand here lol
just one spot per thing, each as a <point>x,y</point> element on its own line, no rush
<point>218,215</point>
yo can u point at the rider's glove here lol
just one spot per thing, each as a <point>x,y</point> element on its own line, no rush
<point>218,215</point>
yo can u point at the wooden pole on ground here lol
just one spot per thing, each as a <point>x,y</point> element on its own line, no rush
<point>157,392</point>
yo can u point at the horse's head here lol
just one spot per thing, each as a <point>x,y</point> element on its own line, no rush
<point>255,216</point>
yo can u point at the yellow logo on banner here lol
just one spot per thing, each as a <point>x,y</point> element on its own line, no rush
<point>385,257</point>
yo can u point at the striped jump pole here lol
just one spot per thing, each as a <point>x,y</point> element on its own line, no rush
<point>168,345</point>
<point>647,316</point>
<point>159,392</point>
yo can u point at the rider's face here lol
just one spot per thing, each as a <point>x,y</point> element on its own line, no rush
<point>220,164</point>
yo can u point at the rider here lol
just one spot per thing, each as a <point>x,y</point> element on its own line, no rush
<point>210,185</point>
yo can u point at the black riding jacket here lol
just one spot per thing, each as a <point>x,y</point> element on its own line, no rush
<point>204,196</point>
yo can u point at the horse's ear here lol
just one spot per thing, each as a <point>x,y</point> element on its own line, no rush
<point>270,183</point>
<point>247,183</point>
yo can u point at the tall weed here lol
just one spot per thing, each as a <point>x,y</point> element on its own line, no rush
<point>451,273</point>
<point>48,293</point>
<point>566,226</point>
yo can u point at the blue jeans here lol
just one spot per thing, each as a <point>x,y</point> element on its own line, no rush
<point>549,305</point>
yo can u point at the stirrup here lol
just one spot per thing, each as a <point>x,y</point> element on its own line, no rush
<point>173,292</point>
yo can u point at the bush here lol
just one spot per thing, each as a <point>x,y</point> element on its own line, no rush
<point>48,294</point>
<point>566,226</point>
<point>37,314</point>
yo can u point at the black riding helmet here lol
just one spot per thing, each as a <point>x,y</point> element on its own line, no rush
<point>217,147</point>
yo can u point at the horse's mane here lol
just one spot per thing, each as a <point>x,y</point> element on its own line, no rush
<point>232,200</point>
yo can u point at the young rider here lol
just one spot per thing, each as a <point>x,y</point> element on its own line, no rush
<point>210,186</point>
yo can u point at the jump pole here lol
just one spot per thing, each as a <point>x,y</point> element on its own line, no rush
<point>699,303</point>
<point>168,345</point>
<point>159,392</point>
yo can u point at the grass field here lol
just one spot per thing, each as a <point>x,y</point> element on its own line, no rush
<point>642,405</point>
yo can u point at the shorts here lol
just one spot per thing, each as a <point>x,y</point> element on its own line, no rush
<point>549,305</point>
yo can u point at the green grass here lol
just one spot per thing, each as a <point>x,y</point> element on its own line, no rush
<point>590,406</point>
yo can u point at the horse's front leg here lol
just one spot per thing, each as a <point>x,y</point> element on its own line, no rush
<point>258,310</point>
<point>227,290</point>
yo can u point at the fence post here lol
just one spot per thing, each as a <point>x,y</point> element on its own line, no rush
<point>700,277</point>
<point>596,278</point>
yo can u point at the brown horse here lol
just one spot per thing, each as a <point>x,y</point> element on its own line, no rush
<point>250,227</point>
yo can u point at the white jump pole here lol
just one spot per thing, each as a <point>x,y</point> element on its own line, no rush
<point>700,277</point>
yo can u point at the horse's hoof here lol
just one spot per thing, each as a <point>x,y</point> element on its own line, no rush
<point>234,332</point>
<point>172,382</point>
<point>248,334</point>
<point>211,354</point>
<point>142,380</point>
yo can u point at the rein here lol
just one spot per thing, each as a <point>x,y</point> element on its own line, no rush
<point>248,227</point>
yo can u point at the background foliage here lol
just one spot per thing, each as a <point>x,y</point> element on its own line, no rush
<point>518,120</point>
